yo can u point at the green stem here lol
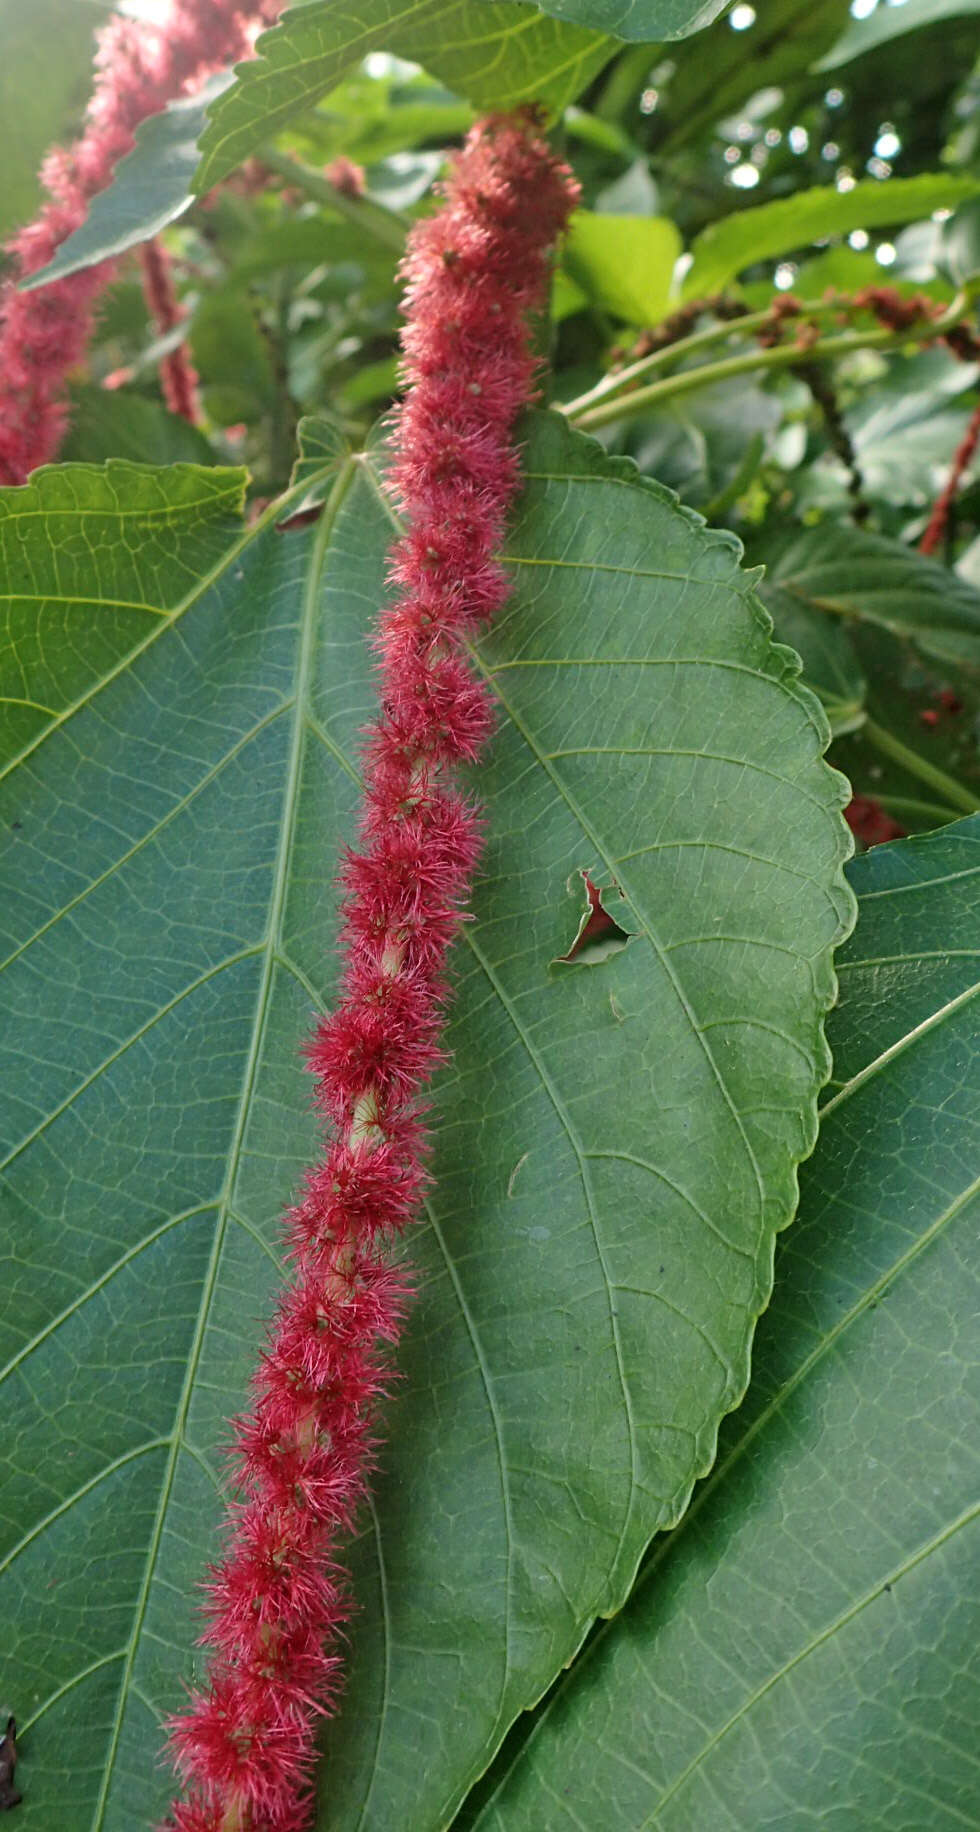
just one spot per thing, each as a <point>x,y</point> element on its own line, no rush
<point>953,792</point>
<point>685,346</point>
<point>627,76</point>
<point>780,356</point>
<point>373,218</point>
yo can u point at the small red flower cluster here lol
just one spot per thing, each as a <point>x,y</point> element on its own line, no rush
<point>43,335</point>
<point>277,1599</point>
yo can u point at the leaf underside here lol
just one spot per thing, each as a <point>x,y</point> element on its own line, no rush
<point>616,1143</point>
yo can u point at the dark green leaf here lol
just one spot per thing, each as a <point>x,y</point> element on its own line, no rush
<point>723,249</point>
<point>802,1650</point>
<point>703,443</point>
<point>616,1143</point>
<point>917,752</point>
<point>232,355</point>
<point>961,243</point>
<point>849,573</point>
<point>830,663</point>
<point>106,424</point>
<point>150,188</point>
<point>644,21</point>
<point>722,72</point>
<point>494,53</point>
<point>889,22</point>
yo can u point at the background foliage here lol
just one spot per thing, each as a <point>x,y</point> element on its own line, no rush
<point>184,683</point>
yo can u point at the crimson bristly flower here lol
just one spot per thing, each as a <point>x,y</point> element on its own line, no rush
<point>304,1452</point>
<point>178,378</point>
<point>139,68</point>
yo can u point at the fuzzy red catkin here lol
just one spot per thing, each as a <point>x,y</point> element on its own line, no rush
<point>963,457</point>
<point>178,378</point>
<point>277,1598</point>
<point>44,335</point>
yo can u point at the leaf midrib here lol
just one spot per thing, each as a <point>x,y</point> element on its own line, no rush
<point>304,669</point>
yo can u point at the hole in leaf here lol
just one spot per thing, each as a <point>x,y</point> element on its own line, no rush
<point>9,1795</point>
<point>599,934</point>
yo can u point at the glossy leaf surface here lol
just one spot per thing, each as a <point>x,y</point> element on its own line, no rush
<point>723,249</point>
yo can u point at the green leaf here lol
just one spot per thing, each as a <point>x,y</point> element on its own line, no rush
<point>150,188</point>
<point>720,74</point>
<point>916,752</point>
<point>624,264</point>
<point>616,1144</point>
<point>849,573</point>
<point>802,1650</point>
<point>642,21</point>
<point>888,22</point>
<point>723,249</point>
<point>46,49</point>
<point>109,424</point>
<point>706,445</point>
<point>232,355</point>
<point>961,243</point>
<point>831,667</point>
<point>496,55</point>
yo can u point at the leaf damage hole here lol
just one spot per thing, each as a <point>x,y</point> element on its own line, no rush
<point>9,1795</point>
<point>599,935</point>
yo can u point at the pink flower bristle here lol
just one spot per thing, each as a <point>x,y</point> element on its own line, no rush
<point>44,334</point>
<point>277,1601</point>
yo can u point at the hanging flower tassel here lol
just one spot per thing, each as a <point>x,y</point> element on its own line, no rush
<point>963,457</point>
<point>277,1598</point>
<point>178,378</point>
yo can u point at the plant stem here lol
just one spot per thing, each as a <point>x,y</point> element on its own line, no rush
<point>627,76</point>
<point>365,213</point>
<point>685,346</point>
<point>953,792</point>
<point>780,356</point>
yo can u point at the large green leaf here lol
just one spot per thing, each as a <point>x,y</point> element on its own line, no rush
<point>624,264</point>
<point>852,574</point>
<point>723,249</point>
<point>495,53</point>
<point>645,21</point>
<point>150,188</point>
<point>890,641</point>
<point>46,51</point>
<point>105,423</point>
<point>889,22</point>
<point>802,1651</point>
<point>616,1143</point>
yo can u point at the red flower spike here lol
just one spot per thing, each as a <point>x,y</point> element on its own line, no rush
<point>139,68</point>
<point>276,1601</point>
<point>178,378</point>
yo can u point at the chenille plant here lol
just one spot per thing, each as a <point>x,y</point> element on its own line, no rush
<point>471,581</point>
<point>473,273</point>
